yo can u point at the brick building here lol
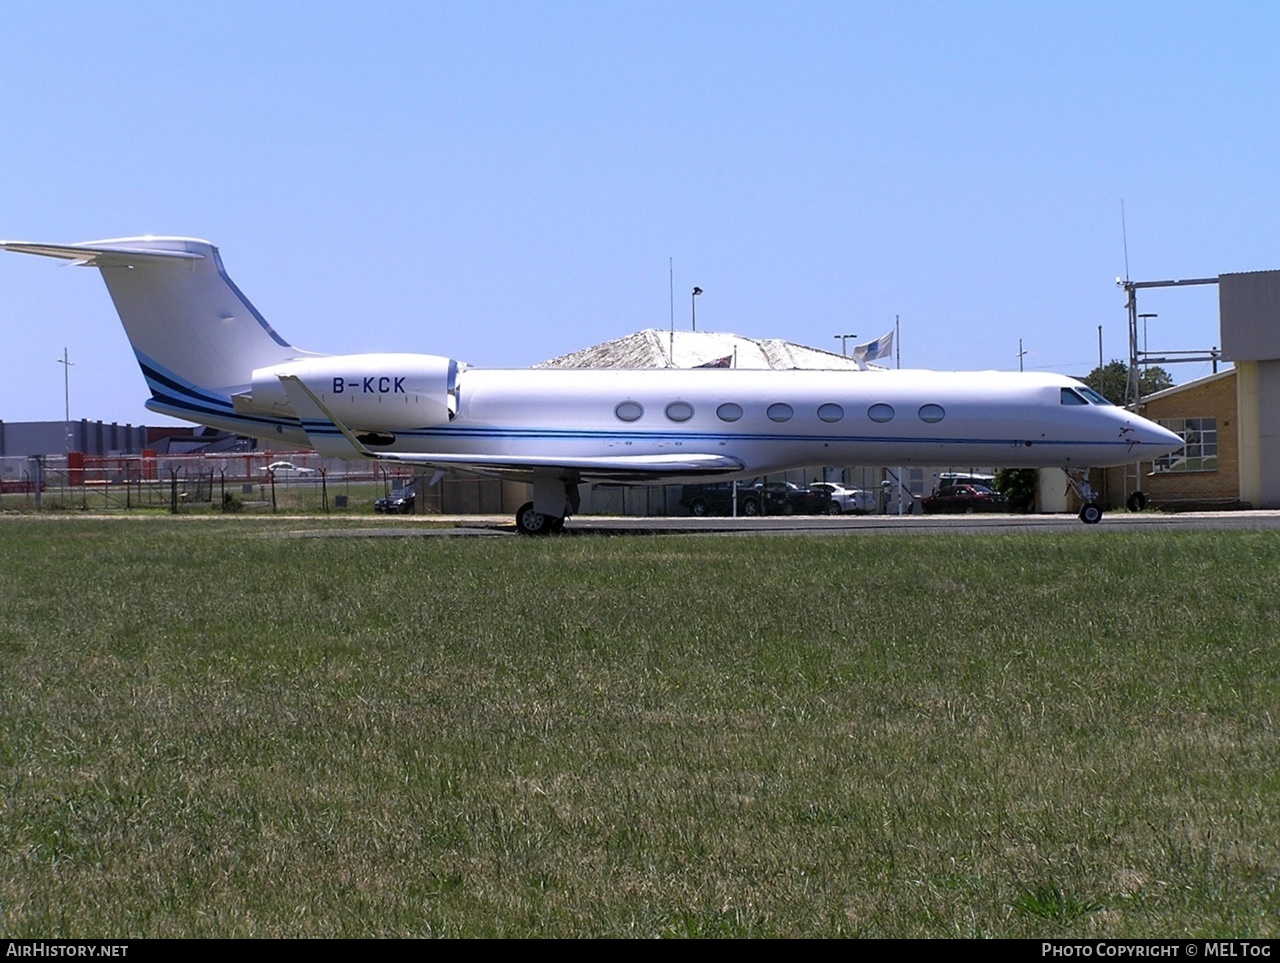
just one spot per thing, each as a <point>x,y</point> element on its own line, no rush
<point>1205,474</point>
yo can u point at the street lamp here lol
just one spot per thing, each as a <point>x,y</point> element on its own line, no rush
<point>1138,374</point>
<point>1145,318</point>
<point>693,307</point>
<point>66,394</point>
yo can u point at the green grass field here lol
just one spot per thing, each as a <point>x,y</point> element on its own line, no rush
<point>211,727</point>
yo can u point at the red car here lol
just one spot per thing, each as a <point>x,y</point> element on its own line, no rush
<point>964,498</point>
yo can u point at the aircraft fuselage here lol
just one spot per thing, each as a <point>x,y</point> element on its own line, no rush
<point>767,420</point>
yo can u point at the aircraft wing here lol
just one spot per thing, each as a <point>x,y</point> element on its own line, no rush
<point>620,468</point>
<point>315,416</point>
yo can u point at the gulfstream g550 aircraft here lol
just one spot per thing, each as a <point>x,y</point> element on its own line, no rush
<point>210,357</point>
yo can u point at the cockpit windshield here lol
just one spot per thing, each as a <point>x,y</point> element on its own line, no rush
<point>1092,395</point>
<point>1082,395</point>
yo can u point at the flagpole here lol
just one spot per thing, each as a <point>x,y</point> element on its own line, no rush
<point>671,293</point>
<point>897,343</point>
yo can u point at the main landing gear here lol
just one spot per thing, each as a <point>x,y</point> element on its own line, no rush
<point>1078,478</point>
<point>531,522</point>
<point>554,499</point>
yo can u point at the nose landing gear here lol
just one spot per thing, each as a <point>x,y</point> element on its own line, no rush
<point>1078,478</point>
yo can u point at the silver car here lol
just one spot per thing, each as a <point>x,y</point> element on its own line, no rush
<point>847,501</point>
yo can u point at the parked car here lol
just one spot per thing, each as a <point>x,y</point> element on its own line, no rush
<point>716,498</point>
<point>964,498</point>
<point>755,498</point>
<point>287,468</point>
<point>399,502</point>
<point>850,501</point>
<point>787,498</point>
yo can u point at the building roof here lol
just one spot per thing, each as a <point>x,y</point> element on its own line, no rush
<point>1188,386</point>
<point>653,348</point>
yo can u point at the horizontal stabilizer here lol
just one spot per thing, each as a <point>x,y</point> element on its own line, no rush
<point>98,253</point>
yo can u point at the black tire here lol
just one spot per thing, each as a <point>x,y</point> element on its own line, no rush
<point>699,507</point>
<point>1091,514</point>
<point>750,507</point>
<point>1137,501</point>
<point>529,522</point>
<point>833,508</point>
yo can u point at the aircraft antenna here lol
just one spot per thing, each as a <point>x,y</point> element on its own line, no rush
<point>1124,237</point>
<point>1132,386</point>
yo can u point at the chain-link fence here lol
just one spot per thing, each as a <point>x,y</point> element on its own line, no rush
<point>249,482</point>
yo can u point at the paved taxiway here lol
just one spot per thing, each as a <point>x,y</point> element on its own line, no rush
<point>496,525</point>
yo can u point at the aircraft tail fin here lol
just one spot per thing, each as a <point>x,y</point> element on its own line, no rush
<point>196,336</point>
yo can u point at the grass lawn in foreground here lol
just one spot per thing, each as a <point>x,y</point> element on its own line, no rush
<point>217,728</point>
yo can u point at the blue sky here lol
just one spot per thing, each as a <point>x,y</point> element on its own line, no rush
<point>505,182</point>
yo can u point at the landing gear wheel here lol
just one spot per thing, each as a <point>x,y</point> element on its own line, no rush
<point>1091,514</point>
<point>529,522</point>
<point>1137,501</point>
<point>557,525</point>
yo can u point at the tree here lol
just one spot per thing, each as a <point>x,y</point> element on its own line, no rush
<point>1110,381</point>
<point>1018,485</point>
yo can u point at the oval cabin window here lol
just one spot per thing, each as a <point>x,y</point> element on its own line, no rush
<point>679,411</point>
<point>880,413</point>
<point>779,412</point>
<point>830,413</point>
<point>729,411</point>
<point>932,413</point>
<point>629,411</point>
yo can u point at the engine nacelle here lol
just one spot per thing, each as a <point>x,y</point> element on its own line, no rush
<point>387,392</point>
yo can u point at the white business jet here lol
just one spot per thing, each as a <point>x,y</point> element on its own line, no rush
<point>209,357</point>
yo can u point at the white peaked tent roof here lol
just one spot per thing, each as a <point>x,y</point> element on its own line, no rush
<point>653,348</point>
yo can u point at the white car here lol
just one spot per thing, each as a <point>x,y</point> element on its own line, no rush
<point>284,467</point>
<point>848,501</point>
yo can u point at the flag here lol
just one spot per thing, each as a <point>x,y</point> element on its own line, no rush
<point>881,347</point>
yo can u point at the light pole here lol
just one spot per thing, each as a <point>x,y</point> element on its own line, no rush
<point>693,307</point>
<point>843,339</point>
<point>1145,318</point>
<point>66,394</point>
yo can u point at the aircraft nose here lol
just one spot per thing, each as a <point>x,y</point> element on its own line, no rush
<point>1153,436</point>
